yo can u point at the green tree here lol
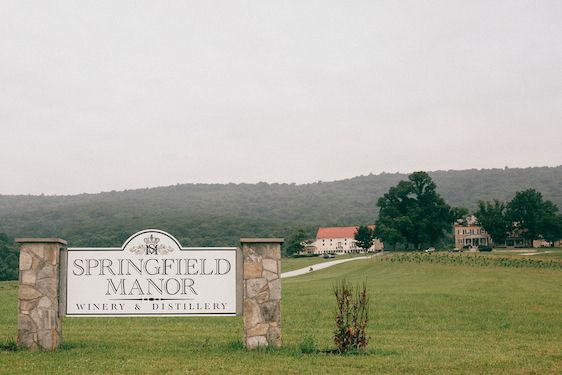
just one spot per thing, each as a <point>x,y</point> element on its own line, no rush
<point>492,217</point>
<point>389,235</point>
<point>412,212</point>
<point>364,237</point>
<point>8,259</point>
<point>532,217</point>
<point>458,213</point>
<point>295,244</point>
<point>394,224</point>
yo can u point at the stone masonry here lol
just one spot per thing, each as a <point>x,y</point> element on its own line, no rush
<point>262,292</point>
<point>39,323</point>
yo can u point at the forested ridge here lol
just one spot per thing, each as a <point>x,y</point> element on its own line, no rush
<point>219,214</point>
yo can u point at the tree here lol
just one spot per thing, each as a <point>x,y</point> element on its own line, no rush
<point>491,216</point>
<point>364,237</point>
<point>295,244</point>
<point>389,235</point>
<point>532,217</point>
<point>393,223</point>
<point>412,212</point>
<point>8,259</point>
<point>458,213</point>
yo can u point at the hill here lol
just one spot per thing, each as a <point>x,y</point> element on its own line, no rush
<point>219,214</point>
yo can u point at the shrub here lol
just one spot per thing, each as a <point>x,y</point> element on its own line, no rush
<point>352,307</point>
<point>9,346</point>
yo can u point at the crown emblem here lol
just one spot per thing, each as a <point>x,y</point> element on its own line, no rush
<point>152,246</point>
<point>151,240</point>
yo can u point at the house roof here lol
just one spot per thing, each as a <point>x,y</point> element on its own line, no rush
<point>338,232</point>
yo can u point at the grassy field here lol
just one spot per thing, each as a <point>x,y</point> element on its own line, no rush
<point>425,318</point>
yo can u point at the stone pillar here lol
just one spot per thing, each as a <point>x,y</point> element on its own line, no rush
<point>39,323</point>
<point>262,291</point>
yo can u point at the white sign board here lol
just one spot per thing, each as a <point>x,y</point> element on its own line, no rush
<point>151,275</point>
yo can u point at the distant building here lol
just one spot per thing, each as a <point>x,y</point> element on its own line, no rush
<point>338,240</point>
<point>513,240</point>
<point>469,234</point>
<point>542,243</point>
<point>545,243</point>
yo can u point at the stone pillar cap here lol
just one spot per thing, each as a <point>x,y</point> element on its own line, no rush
<point>41,240</point>
<point>262,240</point>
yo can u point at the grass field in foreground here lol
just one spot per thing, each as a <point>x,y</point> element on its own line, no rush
<point>425,318</point>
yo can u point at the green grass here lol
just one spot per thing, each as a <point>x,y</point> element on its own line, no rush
<point>425,318</point>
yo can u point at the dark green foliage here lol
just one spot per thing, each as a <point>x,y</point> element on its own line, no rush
<point>9,259</point>
<point>492,217</point>
<point>9,346</point>
<point>364,237</point>
<point>412,212</point>
<point>215,215</point>
<point>458,213</point>
<point>294,244</point>
<point>533,217</point>
<point>352,316</point>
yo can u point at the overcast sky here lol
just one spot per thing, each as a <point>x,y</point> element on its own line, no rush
<point>98,96</point>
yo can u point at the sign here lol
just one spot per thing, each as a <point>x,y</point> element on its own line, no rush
<point>152,275</point>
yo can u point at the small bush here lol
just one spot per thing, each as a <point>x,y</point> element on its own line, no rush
<point>308,345</point>
<point>351,317</point>
<point>9,346</point>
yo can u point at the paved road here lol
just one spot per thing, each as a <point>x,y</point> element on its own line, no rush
<point>319,266</point>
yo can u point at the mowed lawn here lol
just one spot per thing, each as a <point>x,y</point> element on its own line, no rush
<point>425,318</point>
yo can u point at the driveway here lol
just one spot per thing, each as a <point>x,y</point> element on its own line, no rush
<point>320,266</point>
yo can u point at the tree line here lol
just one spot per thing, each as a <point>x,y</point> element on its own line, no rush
<point>201,214</point>
<point>528,215</point>
<point>412,215</point>
<point>219,214</point>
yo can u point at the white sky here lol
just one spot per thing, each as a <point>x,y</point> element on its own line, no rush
<point>104,95</point>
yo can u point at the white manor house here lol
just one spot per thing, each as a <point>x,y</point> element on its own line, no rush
<point>338,240</point>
